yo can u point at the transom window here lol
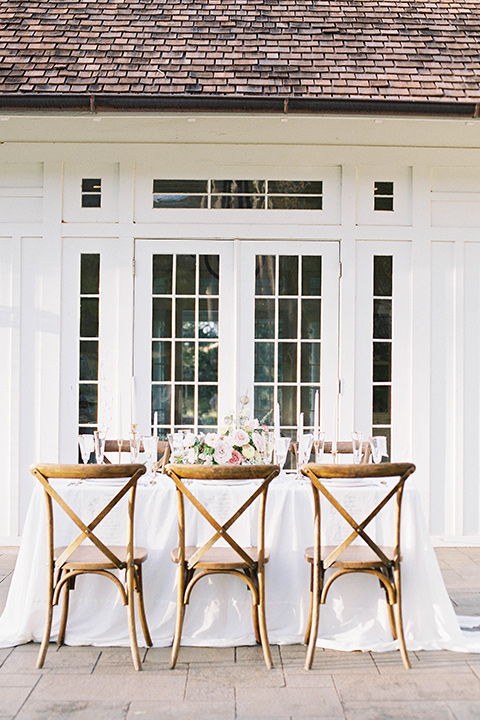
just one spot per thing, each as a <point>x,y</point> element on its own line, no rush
<point>239,194</point>
<point>91,192</point>
<point>383,196</point>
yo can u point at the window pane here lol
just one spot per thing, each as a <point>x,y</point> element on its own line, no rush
<point>238,186</point>
<point>186,265</point>
<point>383,188</point>
<point>307,404</point>
<point>91,201</point>
<point>161,318</point>
<point>185,317</point>
<point>310,362</point>
<point>207,405</point>
<point>88,360</point>
<point>382,275</point>
<point>287,362</point>
<point>263,403</point>
<point>264,362</point>
<point>287,397</point>
<point>161,361</point>
<point>87,403</point>
<point>311,319</point>
<point>287,318</point>
<point>289,202</point>
<point>288,275</point>
<point>180,186</point>
<point>242,202</point>
<point>208,362</point>
<point>89,274</point>
<point>162,274</point>
<point>90,185</point>
<point>295,187</point>
<point>382,319</point>
<point>88,317</point>
<point>312,275</point>
<point>383,203</point>
<point>209,274</point>
<point>264,319</point>
<point>184,361</point>
<point>179,201</point>
<point>382,362</point>
<point>184,395</point>
<point>208,318</point>
<point>161,402</point>
<point>265,275</point>
<point>381,405</point>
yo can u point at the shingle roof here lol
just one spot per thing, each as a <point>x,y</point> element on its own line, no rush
<point>345,49</point>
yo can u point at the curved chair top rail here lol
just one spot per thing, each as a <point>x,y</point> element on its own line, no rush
<point>50,470</point>
<point>360,470</point>
<point>222,472</point>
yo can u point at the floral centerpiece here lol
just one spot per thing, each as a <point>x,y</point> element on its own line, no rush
<point>243,441</point>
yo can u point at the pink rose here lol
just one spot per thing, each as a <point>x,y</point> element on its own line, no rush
<point>240,438</point>
<point>236,458</point>
<point>223,452</point>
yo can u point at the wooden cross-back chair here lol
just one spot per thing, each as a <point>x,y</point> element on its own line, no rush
<point>367,557</point>
<point>66,563</point>
<point>247,563</point>
<point>123,446</point>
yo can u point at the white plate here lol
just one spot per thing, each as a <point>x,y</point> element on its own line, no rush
<point>226,482</point>
<point>348,482</point>
<point>111,482</point>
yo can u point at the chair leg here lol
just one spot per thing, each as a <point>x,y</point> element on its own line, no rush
<point>262,620</point>
<point>131,618</point>
<point>309,621</point>
<point>63,620</point>
<point>48,625</point>
<point>141,605</point>
<point>399,619</point>
<point>177,636</point>
<point>314,617</point>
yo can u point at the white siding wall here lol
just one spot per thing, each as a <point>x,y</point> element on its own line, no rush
<point>434,227</point>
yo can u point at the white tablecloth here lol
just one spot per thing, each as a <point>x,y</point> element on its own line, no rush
<point>354,618</point>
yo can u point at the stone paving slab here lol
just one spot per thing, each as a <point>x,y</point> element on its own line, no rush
<point>81,683</point>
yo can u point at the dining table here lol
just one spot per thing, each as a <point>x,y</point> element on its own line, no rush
<point>355,616</point>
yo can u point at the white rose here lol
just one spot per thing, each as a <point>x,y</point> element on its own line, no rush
<point>240,438</point>
<point>223,452</point>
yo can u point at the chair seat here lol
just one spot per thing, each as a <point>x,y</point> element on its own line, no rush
<point>219,558</point>
<point>93,558</point>
<point>354,557</point>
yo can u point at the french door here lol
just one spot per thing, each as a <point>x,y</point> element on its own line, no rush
<point>215,320</point>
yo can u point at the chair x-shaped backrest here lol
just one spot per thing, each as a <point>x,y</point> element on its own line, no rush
<point>131,473</point>
<point>179,472</point>
<point>317,473</point>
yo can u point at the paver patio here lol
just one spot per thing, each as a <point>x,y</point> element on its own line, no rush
<point>229,683</point>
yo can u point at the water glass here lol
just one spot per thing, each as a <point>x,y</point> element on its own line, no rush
<point>378,445</point>
<point>99,442</point>
<point>86,444</point>
<point>305,448</point>
<point>357,440</point>
<point>282,445</point>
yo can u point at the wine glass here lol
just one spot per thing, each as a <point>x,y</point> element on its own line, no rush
<point>134,446</point>
<point>282,445</point>
<point>357,439</point>
<point>319,446</point>
<point>99,444</point>
<point>150,446</point>
<point>86,446</point>
<point>304,451</point>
